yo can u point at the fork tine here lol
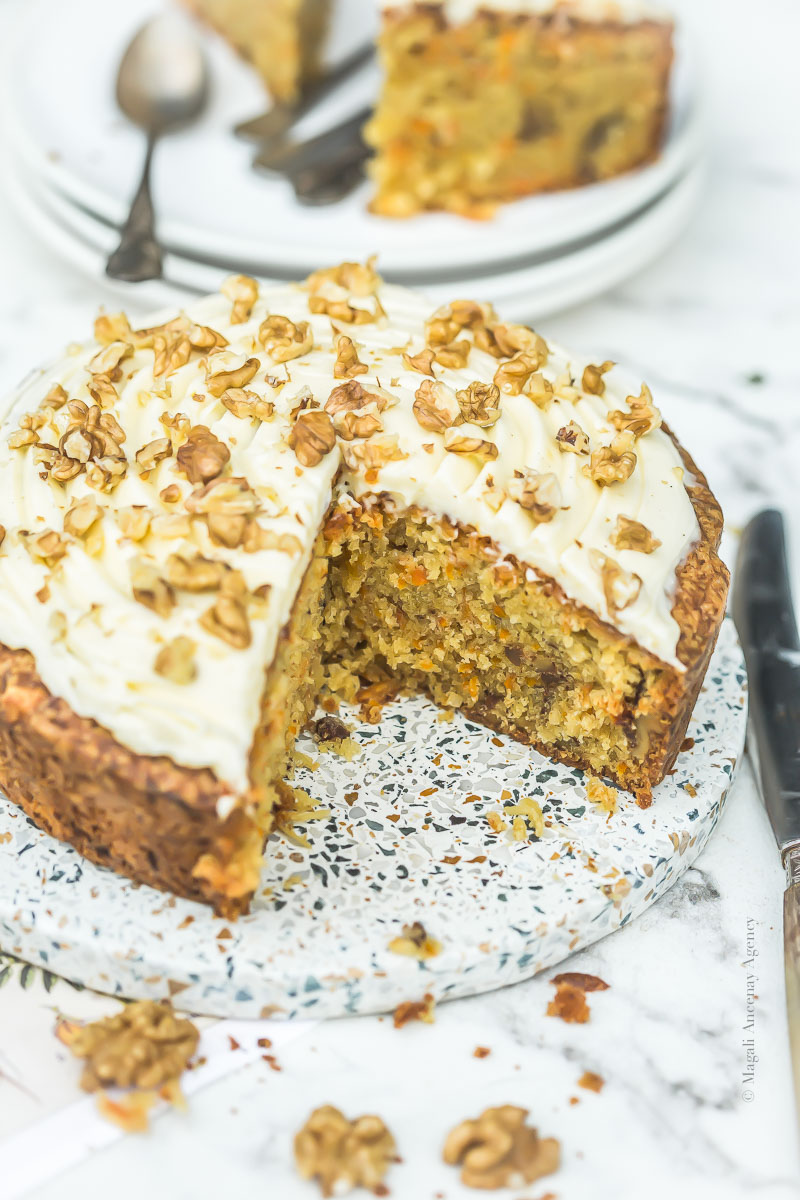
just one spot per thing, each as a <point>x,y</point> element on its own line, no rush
<point>289,157</point>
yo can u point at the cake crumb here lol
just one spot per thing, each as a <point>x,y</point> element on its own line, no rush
<point>481,1052</point>
<point>415,942</point>
<point>415,1010</point>
<point>591,1081</point>
<point>569,1002</point>
<point>601,794</point>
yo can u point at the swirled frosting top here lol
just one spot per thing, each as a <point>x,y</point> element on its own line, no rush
<point>162,489</point>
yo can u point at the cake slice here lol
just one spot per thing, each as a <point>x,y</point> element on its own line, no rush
<point>282,38</point>
<point>483,103</point>
<point>211,522</point>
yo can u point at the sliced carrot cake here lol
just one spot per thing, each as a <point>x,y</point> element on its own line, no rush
<point>210,521</point>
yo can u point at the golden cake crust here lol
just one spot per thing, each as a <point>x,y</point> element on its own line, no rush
<point>143,816</point>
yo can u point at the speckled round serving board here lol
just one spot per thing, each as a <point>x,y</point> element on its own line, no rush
<point>407,839</point>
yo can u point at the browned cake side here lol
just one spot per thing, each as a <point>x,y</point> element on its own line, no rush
<point>503,105</point>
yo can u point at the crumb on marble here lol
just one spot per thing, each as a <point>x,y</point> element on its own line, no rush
<point>415,1010</point>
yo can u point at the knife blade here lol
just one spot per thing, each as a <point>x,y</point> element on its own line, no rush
<point>764,615</point>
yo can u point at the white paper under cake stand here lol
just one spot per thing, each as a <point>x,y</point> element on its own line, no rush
<point>407,840</point>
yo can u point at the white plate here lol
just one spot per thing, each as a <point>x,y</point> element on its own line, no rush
<point>63,122</point>
<point>407,839</point>
<point>523,294</point>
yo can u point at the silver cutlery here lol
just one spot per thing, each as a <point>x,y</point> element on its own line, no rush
<point>764,616</point>
<point>162,86</point>
<point>279,119</point>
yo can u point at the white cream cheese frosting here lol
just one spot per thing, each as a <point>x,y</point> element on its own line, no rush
<point>96,645</point>
<point>458,11</point>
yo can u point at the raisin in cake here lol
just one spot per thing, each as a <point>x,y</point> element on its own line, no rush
<point>289,492</point>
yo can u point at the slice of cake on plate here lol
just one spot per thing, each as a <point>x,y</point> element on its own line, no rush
<point>486,102</point>
<point>282,38</point>
<point>213,521</point>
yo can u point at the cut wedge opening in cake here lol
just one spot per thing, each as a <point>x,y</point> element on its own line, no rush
<point>293,493</point>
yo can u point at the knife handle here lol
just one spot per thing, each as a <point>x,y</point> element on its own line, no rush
<point>791,957</point>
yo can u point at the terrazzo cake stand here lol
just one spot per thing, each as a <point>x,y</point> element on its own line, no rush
<point>406,838</point>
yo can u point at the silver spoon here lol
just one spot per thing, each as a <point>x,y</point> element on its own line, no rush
<point>162,85</point>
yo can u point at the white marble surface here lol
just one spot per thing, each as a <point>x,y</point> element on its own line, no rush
<point>720,311</point>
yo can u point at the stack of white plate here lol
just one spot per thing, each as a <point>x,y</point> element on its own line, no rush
<point>73,163</point>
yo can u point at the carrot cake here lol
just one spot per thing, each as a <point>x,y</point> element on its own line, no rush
<point>293,490</point>
<point>484,101</point>
<point>281,38</point>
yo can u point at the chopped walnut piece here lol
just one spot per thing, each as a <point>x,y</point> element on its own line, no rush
<point>422,362</point>
<point>415,1010</point>
<point>134,521</point>
<point>170,494</point>
<point>194,573</point>
<point>82,516</point>
<point>539,390</point>
<point>232,497</point>
<point>513,374</point>
<point>358,423</point>
<point>202,456</point>
<point>513,339</point>
<point>104,474</point>
<point>245,404</point>
<point>24,436</point>
<point>312,437</point>
<point>107,361</point>
<point>538,493</point>
<point>342,1155</point>
<point>102,391</point>
<point>242,291</point>
<point>283,340</point>
<point>592,381</point>
<point>144,1046</point>
<point>347,363</point>
<point>227,618</point>
<point>171,525</point>
<point>633,535</point>
<point>612,464</point>
<point>258,538</point>
<point>203,337</point>
<point>468,440</point>
<point>356,279</point>
<point>351,396</point>
<point>497,1150</point>
<point>2,534</point>
<point>643,417</point>
<point>229,370</point>
<point>151,454</point>
<point>111,327</point>
<point>621,588</point>
<point>480,403</point>
<point>171,348</point>
<point>571,438</point>
<point>46,545</point>
<point>175,661</point>
<point>454,354</point>
<point>415,942</point>
<point>373,454</point>
<point>436,406</point>
<point>149,588</point>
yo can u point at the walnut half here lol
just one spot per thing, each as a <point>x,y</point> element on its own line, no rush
<point>498,1150</point>
<point>342,1155</point>
<point>145,1046</point>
